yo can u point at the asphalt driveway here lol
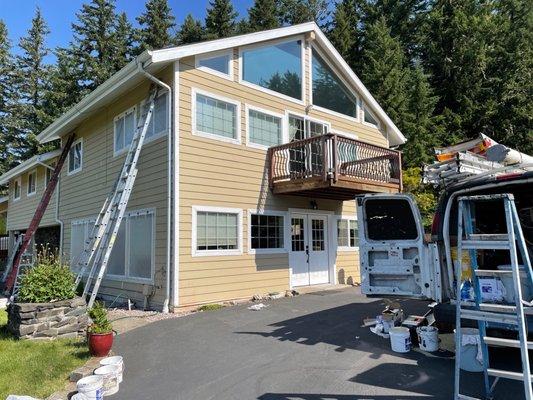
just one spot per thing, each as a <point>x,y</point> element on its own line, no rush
<point>311,347</point>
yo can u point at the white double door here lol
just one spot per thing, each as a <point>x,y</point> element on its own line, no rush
<point>309,249</point>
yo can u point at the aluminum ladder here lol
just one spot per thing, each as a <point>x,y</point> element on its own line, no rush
<point>482,312</point>
<point>99,245</point>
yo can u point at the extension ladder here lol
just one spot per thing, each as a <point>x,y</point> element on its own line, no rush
<point>20,248</point>
<point>99,245</point>
<point>483,312</point>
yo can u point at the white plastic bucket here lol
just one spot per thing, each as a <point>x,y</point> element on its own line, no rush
<point>79,396</point>
<point>400,339</point>
<point>428,338</point>
<point>92,387</point>
<point>110,375</point>
<point>115,360</point>
<point>470,350</point>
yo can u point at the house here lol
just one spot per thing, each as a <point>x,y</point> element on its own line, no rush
<point>247,178</point>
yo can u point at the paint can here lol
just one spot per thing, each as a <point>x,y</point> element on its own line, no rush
<point>400,339</point>
<point>115,360</point>
<point>92,387</point>
<point>110,375</point>
<point>428,338</point>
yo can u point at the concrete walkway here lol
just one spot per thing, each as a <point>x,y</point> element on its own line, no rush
<point>310,347</point>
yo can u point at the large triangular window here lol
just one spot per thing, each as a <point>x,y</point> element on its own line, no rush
<point>329,91</point>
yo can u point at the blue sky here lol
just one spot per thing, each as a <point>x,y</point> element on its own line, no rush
<point>59,14</point>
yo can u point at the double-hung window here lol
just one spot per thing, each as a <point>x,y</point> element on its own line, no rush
<point>124,129</point>
<point>48,172</point>
<point>16,189</point>
<point>75,157</point>
<point>216,117</point>
<point>265,129</point>
<point>217,231</point>
<point>159,123</point>
<point>266,232</point>
<point>347,234</point>
<point>32,182</point>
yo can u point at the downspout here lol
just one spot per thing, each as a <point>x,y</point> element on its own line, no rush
<point>56,217</point>
<point>140,68</point>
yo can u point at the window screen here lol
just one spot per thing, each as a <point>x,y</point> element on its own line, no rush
<point>140,247</point>
<point>117,260</point>
<point>216,231</point>
<point>390,219</point>
<point>77,241</point>
<point>267,231</point>
<point>31,182</point>
<point>159,122</point>
<point>216,117</point>
<point>218,63</point>
<point>75,159</point>
<point>16,189</point>
<point>265,129</point>
<point>124,130</point>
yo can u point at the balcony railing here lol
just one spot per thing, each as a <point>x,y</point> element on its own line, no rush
<point>342,164</point>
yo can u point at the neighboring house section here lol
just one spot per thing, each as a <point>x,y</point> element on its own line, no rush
<point>271,137</point>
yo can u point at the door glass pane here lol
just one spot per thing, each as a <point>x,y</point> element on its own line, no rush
<point>297,234</point>
<point>141,237</point>
<point>117,261</point>
<point>317,234</point>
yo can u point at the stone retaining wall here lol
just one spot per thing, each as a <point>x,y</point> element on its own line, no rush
<point>61,319</point>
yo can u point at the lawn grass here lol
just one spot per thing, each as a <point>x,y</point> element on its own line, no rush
<point>36,368</point>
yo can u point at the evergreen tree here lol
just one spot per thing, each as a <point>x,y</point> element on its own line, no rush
<point>191,31</point>
<point>7,98</point>
<point>32,74</point>
<point>299,11</point>
<point>156,23</point>
<point>263,15</point>
<point>345,34</point>
<point>220,19</point>
<point>124,40</point>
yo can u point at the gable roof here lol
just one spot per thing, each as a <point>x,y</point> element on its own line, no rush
<point>131,75</point>
<point>28,165</point>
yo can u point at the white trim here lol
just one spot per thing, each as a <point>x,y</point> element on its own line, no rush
<point>344,133</point>
<point>286,242</point>
<point>28,193</point>
<point>282,117</point>
<point>236,103</point>
<point>269,91</point>
<point>176,186</point>
<point>365,109</point>
<point>19,182</point>
<point>337,218</point>
<point>132,110</point>
<point>206,56</point>
<point>47,170</point>
<point>215,253</point>
<point>27,165</point>
<point>75,171</point>
<point>288,113</point>
<point>338,76</point>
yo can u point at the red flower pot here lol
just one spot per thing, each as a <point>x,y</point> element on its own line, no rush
<point>100,343</point>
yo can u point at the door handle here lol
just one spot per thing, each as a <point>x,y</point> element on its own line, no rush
<point>307,253</point>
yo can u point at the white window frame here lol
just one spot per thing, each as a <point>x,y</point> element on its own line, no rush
<point>364,109</point>
<point>28,193</point>
<point>75,171</point>
<point>269,91</point>
<point>196,132</point>
<point>117,152</point>
<point>282,117</point>
<point>336,220</point>
<point>17,181</point>
<point>346,85</point>
<point>215,54</point>
<point>351,135</point>
<point>138,117</point>
<point>47,170</point>
<point>305,118</point>
<point>286,232</point>
<point>215,253</point>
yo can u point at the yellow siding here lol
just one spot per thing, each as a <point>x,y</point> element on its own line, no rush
<point>215,173</point>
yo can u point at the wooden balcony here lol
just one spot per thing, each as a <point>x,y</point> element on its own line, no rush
<point>333,166</point>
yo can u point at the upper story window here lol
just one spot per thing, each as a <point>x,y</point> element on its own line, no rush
<point>48,172</point>
<point>32,179</point>
<point>276,67</point>
<point>159,123</point>
<point>329,91</point>
<point>265,129</point>
<point>124,129</point>
<point>216,117</point>
<point>218,63</point>
<point>369,118</point>
<point>17,188</point>
<point>302,128</point>
<point>75,157</point>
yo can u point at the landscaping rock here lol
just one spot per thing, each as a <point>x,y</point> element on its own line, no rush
<point>43,321</point>
<point>257,297</point>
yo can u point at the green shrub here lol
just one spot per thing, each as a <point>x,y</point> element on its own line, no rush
<point>210,307</point>
<point>98,315</point>
<point>47,281</point>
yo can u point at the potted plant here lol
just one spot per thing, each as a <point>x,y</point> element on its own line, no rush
<point>100,331</point>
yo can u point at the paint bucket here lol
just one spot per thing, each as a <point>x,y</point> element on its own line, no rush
<point>79,396</point>
<point>400,339</point>
<point>428,338</point>
<point>115,360</point>
<point>92,387</point>
<point>471,357</point>
<point>110,375</point>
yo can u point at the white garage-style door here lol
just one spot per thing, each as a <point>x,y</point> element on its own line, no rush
<point>309,249</point>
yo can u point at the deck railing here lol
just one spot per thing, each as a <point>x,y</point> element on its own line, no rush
<point>332,156</point>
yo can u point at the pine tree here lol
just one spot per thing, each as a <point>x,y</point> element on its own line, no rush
<point>344,33</point>
<point>263,15</point>
<point>299,11</point>
<point>156,23</point>
<point>220,19</point>
<point>191,31</point>
<point>32,75</point>
<point>124,40</point>
<point>7,98</point>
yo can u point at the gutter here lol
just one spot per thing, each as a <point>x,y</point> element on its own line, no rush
<point>141,69</point>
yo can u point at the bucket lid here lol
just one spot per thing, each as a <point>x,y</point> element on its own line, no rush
<point>106,369</point>
<point>90,380</point>
<point>399,329</point>
<point>111,360</point>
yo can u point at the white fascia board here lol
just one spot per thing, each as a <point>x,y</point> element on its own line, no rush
<point>4,199</point>
<point>27,165</point>
<point>395,135</point>
<point>174,53</point>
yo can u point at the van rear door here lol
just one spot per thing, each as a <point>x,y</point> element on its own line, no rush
<point>394,257</point>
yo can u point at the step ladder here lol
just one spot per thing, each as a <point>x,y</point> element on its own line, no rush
<point>20,250</point>
<point>482,312</point>
<point>99,245</point>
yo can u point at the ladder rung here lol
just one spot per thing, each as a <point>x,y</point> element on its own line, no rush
<point>504,308</point>
<point>518,376</point>
<point>465,397</point>
<point>492,272</point>
<point>489,316</point>
<point>494,341</point>
<point>485,245</point>
<point>489,236</point>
